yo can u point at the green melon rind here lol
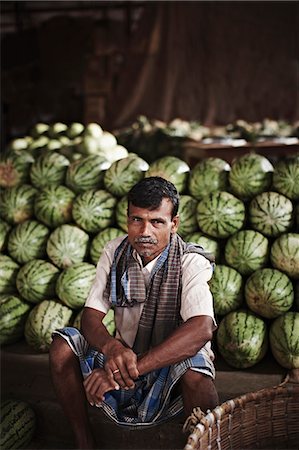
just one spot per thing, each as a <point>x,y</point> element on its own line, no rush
<point>284,254</point>
<point>100,240</point>
<point>18,424</point>
<point>226,286</point>
<point>284,339</point>
<point>53,205</point>
<point>13,315</point>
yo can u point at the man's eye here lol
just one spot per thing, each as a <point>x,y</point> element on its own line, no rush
<point>157,221</point>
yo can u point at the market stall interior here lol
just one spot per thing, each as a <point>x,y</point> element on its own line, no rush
<point>95,96</point>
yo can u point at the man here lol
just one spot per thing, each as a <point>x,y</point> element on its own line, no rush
<point>160,355</point>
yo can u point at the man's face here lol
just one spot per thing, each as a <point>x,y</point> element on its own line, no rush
<point>149,231</point>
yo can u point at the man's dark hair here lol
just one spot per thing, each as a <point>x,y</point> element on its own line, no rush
<point>149,193</point>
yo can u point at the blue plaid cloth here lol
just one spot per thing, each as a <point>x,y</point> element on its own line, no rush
<point>152,401</point>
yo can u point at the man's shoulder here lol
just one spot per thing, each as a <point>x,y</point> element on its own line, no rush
<point>112,245</point>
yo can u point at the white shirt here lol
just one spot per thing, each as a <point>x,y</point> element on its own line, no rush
<point>196,298</point>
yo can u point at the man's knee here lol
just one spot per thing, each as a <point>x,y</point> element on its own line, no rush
<point>193,380</point>
<point>59,353</point>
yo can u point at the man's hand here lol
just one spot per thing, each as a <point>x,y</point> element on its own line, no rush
<point>97,384</point>
<point>121,364</point>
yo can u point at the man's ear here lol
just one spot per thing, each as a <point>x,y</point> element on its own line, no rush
<point>175,223</point>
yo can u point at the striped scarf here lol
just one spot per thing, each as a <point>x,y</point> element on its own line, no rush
<point>162,300</point>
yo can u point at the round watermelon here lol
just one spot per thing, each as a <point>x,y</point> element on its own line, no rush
<point>42,321</point>
<point>86,173</point>
<point>74,129</point>
<point>187,213</point>
<point>242,339</point>
<point>172,169</point>
<point>284,339</point>
<point>15,167</point>
<point>17,203</point>
<point>17,423</point>
<point>121,213</point>
<point>13,314</point>
<point>8,274</point>
<point>94,210</point>
<point>247,251</point>
<point>286,177</point>
<point>209,244</point>
<point>49,169</point>
<point>269,292</point>
<point>284,254</point>
<point>27,241</point>
<point>4,233</point>
<point>226,286</point>
<point>271,213</point>
<point>220,214</point>
<point>39,129</point>
<point>67,245</point>
<point>53,205</point>
<point>250,175</point>
<point>74,283</point>
<point>123,174</point>
<point>36,280</point>
<point>100,240</point>
<point>108,321</point>
<point>208,175</point>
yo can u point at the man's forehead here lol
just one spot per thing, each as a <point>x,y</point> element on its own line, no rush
<point>165,207</point>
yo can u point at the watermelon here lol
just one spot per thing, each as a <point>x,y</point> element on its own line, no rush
<point>67,245</point>
<point>108,321</point>
<point>172,169</point>
<point>250,175</point>
<point>209,244</point>
<point>74,130</point>
<point>53,205</point>
<point>271,213</point>
<point>94,210</point>
<point>220,214</point>
<point>39,129</point>
<point>116,153</point>
<point>13,315</point>
<point>4,233</point>
<point>49,169</point>
<point>17,424</point>
<point>42,321</point>
<point>123,174</point>
<point>226,286</point>
<point>269,293</point>
<point>15,167</point>
<point>284,254</point>
<point>121,213</point>
<point>86,173</point>
<point>284,339</point>
<point>242,339</point>
<point>57,128</point>
<point>36,280</point>
<point>17,203</point>
<point>74,283</point>
<point>100,240</point>
<point>208,175</point>
<point>27,241</point>
<point>8,274</point>
<point>247,251</point>
<point>187,213</point>
<point>286,177</point>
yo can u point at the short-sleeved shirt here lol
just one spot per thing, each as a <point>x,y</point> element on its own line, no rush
<point>196,297</point>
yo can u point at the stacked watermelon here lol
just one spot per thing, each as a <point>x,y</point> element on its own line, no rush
<point>64,197</point>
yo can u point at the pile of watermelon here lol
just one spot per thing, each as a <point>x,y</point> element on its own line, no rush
<point>63,197</point>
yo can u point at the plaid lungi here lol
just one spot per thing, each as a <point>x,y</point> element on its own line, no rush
<point>152,401</point>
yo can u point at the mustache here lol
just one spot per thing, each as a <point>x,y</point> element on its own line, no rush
<point>145,240</point>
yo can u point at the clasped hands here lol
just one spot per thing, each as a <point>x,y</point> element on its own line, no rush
<point>119,372</point>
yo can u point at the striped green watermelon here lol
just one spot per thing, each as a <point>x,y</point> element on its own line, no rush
<point>4,233</point>
<point>284,339</point>
<point>17,424</point>
<point>13,314</point>
<point>49,169</point>
<point>123,174</point>
<point>27,241</point>
<point>8,274</point>
<point>94,210</point>
<point>208,175</point>
<point>53,205</point>
<point>284,254</point>
<point>286,177</point>
<point>121,213</point>
<point>86,173</point>
<point>15,167</point>
<point>67,245</point>
<point>209,244</point>
<point>220,214</point>
<point>172,169</point>
<point>271,213</point>
<point>247,251</point>
<point>74,283</point>
<point>296,293</point>
<point>100,240</point>
<point>269,292</point>
<point>250,175</point>
<point>242,339</point>
<point>36,280</point>
<point>43,320</point>
<point>187,213</point>
<point>226,286</point>
<point>17,203</point>
<point>108,321</point>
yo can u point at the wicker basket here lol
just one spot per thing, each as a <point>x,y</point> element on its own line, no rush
<point>267,419</point>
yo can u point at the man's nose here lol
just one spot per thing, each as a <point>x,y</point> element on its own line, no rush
<point>146,229</point>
